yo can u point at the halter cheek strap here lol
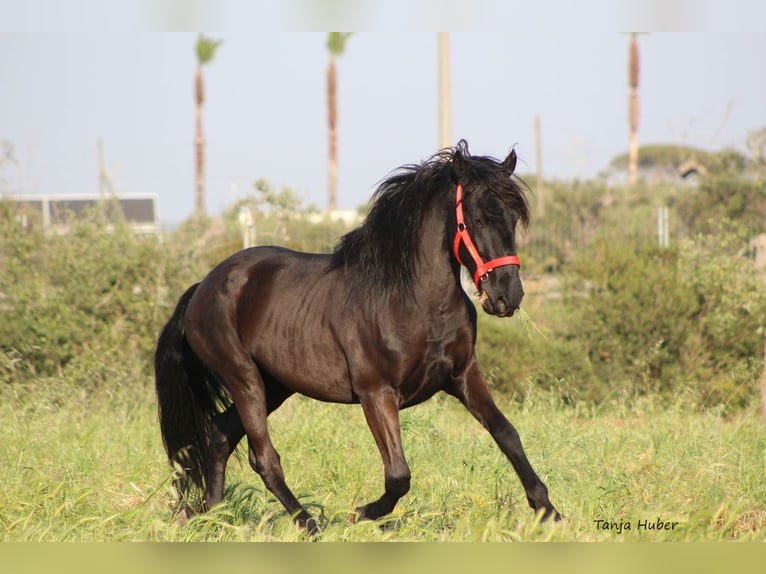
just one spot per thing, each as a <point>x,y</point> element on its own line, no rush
<point>483,268</point>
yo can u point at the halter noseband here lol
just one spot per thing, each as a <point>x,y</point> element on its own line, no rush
<point>483,268</point>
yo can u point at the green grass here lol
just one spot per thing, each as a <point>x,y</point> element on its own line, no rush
<point>77,468</point>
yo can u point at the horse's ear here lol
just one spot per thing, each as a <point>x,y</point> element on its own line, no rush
<point>459,157</point>
<point>509,163</point>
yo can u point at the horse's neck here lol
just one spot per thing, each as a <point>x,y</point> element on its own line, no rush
<point>437,278</point>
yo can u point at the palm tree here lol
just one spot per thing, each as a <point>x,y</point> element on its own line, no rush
<point>445,112</point>
<point>205,48</point>
<point>336,45</point>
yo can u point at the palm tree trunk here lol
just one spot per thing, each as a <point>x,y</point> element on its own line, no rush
<point>332,116</point>
<point>445,96</point>
<point>199,141</point>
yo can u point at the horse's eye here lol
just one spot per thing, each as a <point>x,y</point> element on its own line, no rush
<point>493,207</point>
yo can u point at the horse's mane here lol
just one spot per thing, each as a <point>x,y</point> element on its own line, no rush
<point>384,250</point>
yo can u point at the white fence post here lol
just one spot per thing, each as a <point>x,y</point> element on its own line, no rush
<point>663,231</point>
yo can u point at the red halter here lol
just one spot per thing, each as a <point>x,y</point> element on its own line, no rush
<point>483,268</point>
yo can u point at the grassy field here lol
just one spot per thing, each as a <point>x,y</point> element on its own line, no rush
<point>76,468</point>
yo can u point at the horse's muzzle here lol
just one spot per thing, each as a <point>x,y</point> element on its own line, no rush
<point>501,293</point>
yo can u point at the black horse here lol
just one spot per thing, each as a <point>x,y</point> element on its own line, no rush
<point>382,321</point>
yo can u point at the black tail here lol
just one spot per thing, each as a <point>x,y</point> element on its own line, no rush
<point>188,398</point>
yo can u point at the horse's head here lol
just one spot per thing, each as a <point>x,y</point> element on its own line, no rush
<point>488,206</point>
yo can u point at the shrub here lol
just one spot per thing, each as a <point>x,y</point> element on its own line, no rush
<point>80,293</point>
<point>657,320</point>
<point>516,355</point>
<point>719,197</point>
<point>76,305</point>
<point>632,319</point>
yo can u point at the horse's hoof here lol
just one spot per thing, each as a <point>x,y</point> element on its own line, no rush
<point>357,516</point>
<point>184,515</point>
<point>552,513</point>
<point>309,525</point>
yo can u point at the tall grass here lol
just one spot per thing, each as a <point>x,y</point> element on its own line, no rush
<point>91,468</point>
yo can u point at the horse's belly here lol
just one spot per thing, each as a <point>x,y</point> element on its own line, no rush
<point>289,330</point>
<point>309,367</point>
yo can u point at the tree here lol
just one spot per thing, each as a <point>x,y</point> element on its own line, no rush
<point>336,46</point>
<point>206,49</point>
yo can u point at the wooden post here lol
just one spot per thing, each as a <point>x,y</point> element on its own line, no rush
<point>763,386</point>
<point>332,145</point>
<point>758,244</point>
<point>445,104</point>
<point>104,183</point>
<point>633,112</point>
<point>540,191</point>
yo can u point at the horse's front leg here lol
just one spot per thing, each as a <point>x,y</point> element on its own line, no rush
<point>381,409</point>
<point>473,392</point>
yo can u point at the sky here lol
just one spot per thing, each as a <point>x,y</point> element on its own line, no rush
<point>66,84</point>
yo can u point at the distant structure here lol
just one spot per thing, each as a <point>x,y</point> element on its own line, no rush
<point>691,167</point>
<point>348,216</point>
<point>55,212</point>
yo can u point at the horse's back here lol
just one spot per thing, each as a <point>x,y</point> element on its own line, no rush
<point>281,306</point>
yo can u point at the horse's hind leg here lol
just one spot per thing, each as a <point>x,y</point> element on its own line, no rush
<point>226,432</point>
<point>248,390</point>
<point>475,395</point>
<point>381,410</point>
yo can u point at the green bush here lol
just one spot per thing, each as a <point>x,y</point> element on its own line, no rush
<point>78,303</point>
<point>634,319</point>
<point>686,319</point>
<point>85,308</point>
<point>630,309</point>
<point>92,291</point>
<point>517,355</point>
<point>722,196</point>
